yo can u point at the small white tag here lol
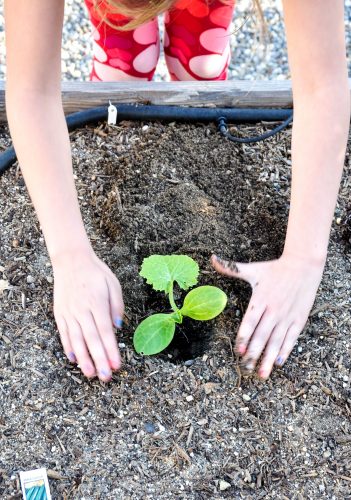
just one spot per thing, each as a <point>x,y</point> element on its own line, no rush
<point>112,114</point>
<point>35,484</point>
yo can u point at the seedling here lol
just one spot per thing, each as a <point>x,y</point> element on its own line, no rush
<point>203,303</point>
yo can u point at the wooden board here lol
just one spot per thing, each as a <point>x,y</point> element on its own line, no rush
<point>77,96</point>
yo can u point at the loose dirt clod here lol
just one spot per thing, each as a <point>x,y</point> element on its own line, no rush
<point>197,428</point>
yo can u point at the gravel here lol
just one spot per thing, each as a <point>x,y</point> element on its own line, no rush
<point>249,61</point>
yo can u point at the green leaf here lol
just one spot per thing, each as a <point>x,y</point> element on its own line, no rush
<point>204,302</point>
<point>154,334</point>
<point>161,270</point>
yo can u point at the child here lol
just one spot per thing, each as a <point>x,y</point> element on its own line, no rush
<point>87,295</point>
<point>196,40</point>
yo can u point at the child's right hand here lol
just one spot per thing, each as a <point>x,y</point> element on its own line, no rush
<point>87,301</point>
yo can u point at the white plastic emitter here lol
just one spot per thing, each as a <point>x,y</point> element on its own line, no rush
<point>112,114</point>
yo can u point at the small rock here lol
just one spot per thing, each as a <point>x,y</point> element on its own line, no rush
<point>189,362</point>
<point>246,397</point>
<point>223,485</point>
<point>145,128</point>
<point>189,398</point>
<point>203,421</point>
<point>49,279</point>
<point>327,454</point>
<point>149,427</point>
<point>30,279</point>
<point>209,387</point>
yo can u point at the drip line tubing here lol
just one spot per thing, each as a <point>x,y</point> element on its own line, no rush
<point>139,112</point>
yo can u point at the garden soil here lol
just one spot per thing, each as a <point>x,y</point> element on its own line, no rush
<point>186,424</point>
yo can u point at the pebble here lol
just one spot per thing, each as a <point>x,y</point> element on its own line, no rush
<point>189,362</point>
<point>246,397</point>
<point>189,398</point>
<point>223,485</point>
<point>30,279</point>
<point>203,421</point>
<point>149,427</point>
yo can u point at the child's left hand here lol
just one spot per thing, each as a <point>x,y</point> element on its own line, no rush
<point>283,293</point>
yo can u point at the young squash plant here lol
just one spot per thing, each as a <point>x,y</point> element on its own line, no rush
<point>203,303</point>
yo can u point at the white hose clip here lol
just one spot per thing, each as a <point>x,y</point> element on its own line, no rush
<point>112,114</point>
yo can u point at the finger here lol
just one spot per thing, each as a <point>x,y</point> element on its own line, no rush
<point>272,350</point>
<point>80,348</point>
<point>116,301</point>
<point>95,345</point>
<point>66,344</point>
<point>107,335</point>
<point>246,272</point>
<point>289,341</point>
<point>258,341</point>
<point>252,317</point>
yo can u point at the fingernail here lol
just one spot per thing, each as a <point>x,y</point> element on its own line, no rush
<point>241,349</point>
<point>221,261</point>
<point>249,365</point>
<point>279,360</point>
<point>89,371</point>
<point>227,264</point>
<point>71,356</point>
<point>118,322</point>
<point>115,364</point>
<point>262,373</point>
<point>105,373</point>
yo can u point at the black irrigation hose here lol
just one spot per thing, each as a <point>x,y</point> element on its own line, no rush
<point>172,113</point>
<point>223,129</point>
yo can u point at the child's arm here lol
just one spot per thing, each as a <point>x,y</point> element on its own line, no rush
<point>87,295</point>
<point>284,289</point>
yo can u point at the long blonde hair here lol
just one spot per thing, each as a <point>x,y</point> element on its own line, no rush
<point>141,11</point>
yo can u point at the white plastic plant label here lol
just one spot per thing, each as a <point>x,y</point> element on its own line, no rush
<point>112,114</point>
<point>35,485</point>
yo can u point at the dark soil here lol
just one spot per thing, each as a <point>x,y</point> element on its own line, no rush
<point>185,424</point>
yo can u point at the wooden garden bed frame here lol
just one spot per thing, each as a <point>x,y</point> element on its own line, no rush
<point>77,96</point>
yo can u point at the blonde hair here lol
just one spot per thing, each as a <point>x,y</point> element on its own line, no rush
<point>141,11</point>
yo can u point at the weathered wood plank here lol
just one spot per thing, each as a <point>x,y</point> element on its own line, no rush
<point>77,96</point>
<point>219,94</point>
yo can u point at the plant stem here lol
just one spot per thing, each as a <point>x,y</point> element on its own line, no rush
<point>171,298</point>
